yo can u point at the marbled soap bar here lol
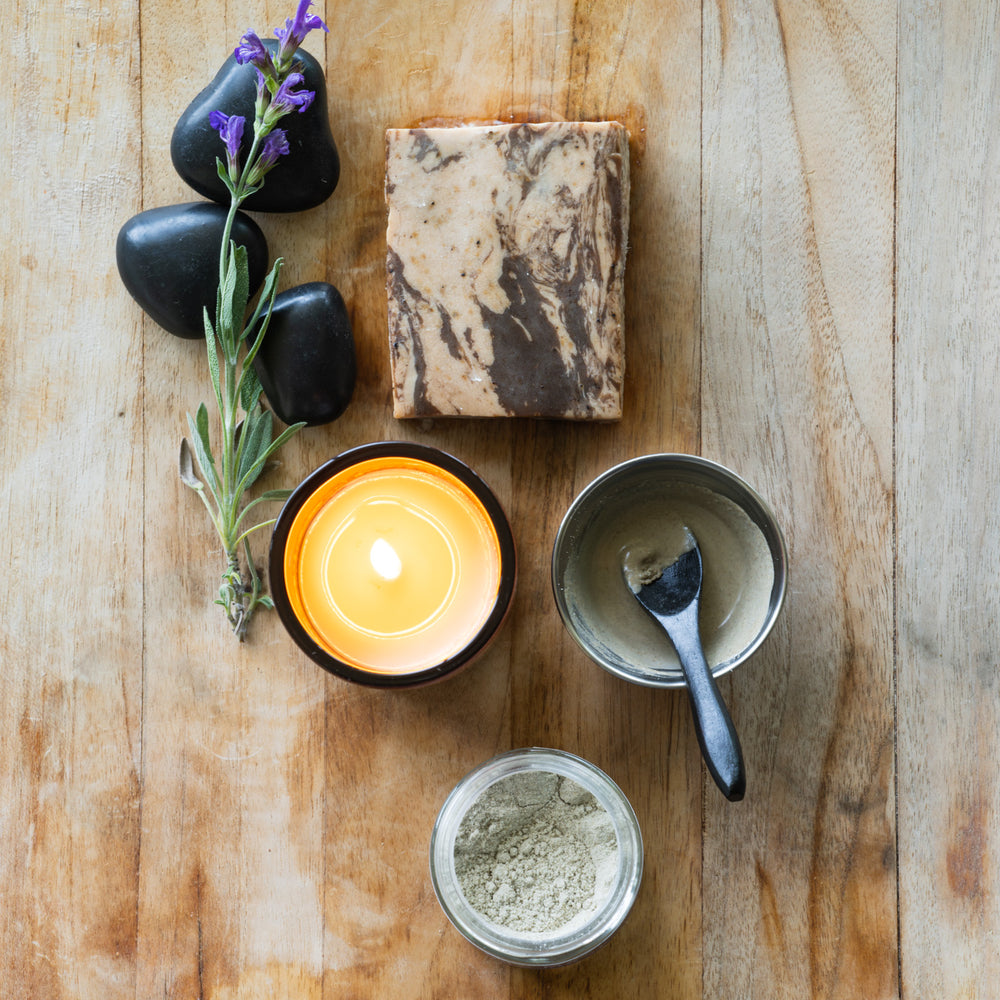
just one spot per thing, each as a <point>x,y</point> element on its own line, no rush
<point>506,260</point>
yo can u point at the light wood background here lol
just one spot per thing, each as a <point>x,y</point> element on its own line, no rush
<point>813,299</point>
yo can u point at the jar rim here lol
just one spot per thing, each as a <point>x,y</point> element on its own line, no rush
<point>491,508</point>
<point>574,940</point>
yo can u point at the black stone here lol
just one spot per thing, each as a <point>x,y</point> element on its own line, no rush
<point>307,363</point>
<point>168,259</point>
<point>305,177</point>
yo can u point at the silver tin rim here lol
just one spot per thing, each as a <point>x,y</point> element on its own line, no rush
<point>692,469</point>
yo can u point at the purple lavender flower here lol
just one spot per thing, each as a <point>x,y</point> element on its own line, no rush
<point>252,50</point>
<point>295,30</point>
<point>279,93</point>
<point>230,128</point>
<point>275,145</point>
<point>286,99</point>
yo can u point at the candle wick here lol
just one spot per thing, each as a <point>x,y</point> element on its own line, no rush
<point>385,560</point>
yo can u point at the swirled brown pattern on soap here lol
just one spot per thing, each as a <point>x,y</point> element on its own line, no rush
<point>506,258</point>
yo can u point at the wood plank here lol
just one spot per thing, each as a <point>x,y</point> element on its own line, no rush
<point>231,895</point>
<point>385,932</point>
<point>799,887</point>
<point>70,644</point>
<point>948,368</point>
<point>522,693</point>
<point>641,62</point>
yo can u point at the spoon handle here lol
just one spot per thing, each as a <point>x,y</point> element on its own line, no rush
<point>720,745</point>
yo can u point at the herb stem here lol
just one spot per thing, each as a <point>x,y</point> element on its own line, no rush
<point>245,444</point>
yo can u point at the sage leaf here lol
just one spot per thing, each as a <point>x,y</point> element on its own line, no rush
<point>225,318</point>
<point>254,445</point>
<point>223,172</point>
<point>264,305</point>
<point>282,438</point>
<point>203,454</point>
<point>254,470</point>
<point>213,359</point>
<point>201,422</point>
<point>281,495</point>
<point>241,289</point>
<point>250,389</point>
<point>268,496</point>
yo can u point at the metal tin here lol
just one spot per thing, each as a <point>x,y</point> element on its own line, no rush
<point>618,487</point>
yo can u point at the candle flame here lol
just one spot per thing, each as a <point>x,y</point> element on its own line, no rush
<point>385,560</point>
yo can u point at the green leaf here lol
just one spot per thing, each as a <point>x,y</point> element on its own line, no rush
<point>257,437</point>
<point>241,290</point>
<point>225,320</point>
<point>190,478</point>
<point>250,388</point>
<point>202,451</point>
<point>257,527</point>
<point>264,306</point>
<point>268,496</point>
<point>213,358</point>
<point>253,471</point>
<point>281,495</point>
<point>222,170</point>
<point>201,421</point>
<point>282,438</point>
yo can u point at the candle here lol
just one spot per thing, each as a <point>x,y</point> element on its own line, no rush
<point>394,564</point>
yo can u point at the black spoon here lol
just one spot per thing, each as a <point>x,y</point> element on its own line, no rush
<point>672,599</point>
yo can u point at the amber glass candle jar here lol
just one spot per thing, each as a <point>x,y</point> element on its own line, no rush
<point>392,565</point>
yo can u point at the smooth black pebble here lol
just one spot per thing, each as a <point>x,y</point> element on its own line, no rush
<point>307,364</point>
<point>168,259</point>
<point>305,177</point>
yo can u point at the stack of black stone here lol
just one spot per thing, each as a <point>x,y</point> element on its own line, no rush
<point>168,257</point>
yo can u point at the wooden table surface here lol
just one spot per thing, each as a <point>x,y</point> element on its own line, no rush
<point>813,296</point>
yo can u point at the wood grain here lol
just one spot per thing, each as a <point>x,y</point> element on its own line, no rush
<point>811,300</point>
<point>947,463</point>
<point>71,638</point>
<point>800,882</point>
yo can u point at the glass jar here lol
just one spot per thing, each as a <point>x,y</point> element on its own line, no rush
<point>438,592</point>
<point>577,937</point>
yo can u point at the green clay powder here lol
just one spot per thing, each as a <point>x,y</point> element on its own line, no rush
<point>536,853</point>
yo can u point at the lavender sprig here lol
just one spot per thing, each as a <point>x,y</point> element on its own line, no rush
<point>246,427</point>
